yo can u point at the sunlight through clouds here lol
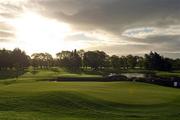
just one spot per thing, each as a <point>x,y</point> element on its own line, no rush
<point>106,24</point>
<point>34,31</point>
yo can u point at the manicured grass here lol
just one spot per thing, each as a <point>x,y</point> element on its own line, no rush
<point>43,75</point>
<point>168,74</point>
<point>88,101</point>
<point>32,97</point>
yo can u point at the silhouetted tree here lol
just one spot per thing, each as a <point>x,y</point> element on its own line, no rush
<point>131,61</point>
<point>5,59</point>
<point>69,60</point>
<point>42,60</point>
<point>124,62</point>
<point>154,61</point>
<point>176,64</point>
<point>63,54</point>
<point>75,61</point>
<point>116,62</point>
<point>20,58</point>
<point>95,59</point>
<point>64,59</point>
<point>140,62</point>
<point>81,54</point>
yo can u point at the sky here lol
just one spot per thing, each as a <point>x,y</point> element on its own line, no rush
<point>118,27</point>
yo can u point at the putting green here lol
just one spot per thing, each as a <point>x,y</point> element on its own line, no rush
<point>88,101</point>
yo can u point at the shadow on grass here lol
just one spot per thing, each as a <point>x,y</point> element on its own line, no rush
<point>77,105</point>
<point>8,74</point>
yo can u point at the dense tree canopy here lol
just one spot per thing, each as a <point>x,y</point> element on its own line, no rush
<point>95,59</point>
<point>75,60</point>
<point>42,60</point>
<point>154,61</point>
<point>71,60</point>
<point>13,59</point>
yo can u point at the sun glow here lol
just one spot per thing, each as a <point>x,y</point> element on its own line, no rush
<point>37,33</point>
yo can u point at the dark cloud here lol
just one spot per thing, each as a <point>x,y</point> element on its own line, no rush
<point>79,37</point>
<point>168,43</point>
<point>114,15</point>
<point>124,49</point>
<point>164,44</point>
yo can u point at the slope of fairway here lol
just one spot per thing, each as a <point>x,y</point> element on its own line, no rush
<point>88,101</point>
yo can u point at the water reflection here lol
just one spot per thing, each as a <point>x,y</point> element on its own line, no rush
<point>134,75</point>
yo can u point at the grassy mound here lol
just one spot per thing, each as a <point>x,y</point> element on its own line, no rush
<point>87,101</point>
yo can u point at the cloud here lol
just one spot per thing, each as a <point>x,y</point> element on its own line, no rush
<point>113,15</point>
<point>9,10</point>
<point>132,25</point>
<point>6,34</point>
<point>149,24</point>
<point>124,49</point>
<point>79,37</point>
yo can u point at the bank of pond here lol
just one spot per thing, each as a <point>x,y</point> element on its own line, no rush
<point>134,77</point>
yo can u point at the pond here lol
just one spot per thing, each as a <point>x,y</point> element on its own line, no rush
<point>135,75</point>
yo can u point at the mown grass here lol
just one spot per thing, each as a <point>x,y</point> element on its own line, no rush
<point>31,75</point>
<point>27,98</point>
<point>83,101</point>
<point>168,74</point>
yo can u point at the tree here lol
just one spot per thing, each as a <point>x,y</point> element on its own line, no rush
<point>115,62</point>
<point>48,60</point>
<point>63,55</point>
<point>167,65</point>
<point>6,60</point>
<point>154,61</point>
<point>131,61</point>
<point>176,64</point>
<point>20,61</point>
<point>95,59</point>
<point>64,59</point>
<point>81,54</point>
<point>140,62</point>
<point>75,61</point>
<point>42,60</point>
<point>69,60</point>
<point>124,62</point>
<point>20,58</point>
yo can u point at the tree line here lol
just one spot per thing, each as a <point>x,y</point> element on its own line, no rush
<point>80,59</point>
<point>13,59</point>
